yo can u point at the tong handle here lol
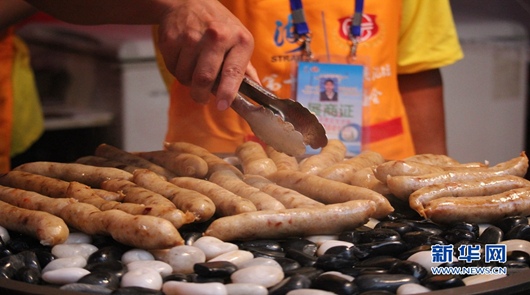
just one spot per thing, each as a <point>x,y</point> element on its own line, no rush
<point>257,92</point>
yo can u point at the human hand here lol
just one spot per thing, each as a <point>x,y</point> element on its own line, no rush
<point>200,41</point>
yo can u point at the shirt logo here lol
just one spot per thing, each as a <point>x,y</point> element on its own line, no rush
<point>369,27</point>
<point>285,33</point>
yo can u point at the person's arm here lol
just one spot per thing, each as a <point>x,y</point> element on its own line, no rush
<point>199,40</point>
<point>13,11</point>
<point>422,95</point>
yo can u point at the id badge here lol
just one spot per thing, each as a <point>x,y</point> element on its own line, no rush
<point>334,92</point>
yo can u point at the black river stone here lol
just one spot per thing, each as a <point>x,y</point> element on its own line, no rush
<point>29,258</point>
<point>405,255</point>
<point>287,264</point>
<point>28,275</point>
<point>44,257</point>
<point>442,282</point>
<point>109,253</point>
<point>137,291</point>
<point>301,257</point>
<point>329,262</point>
<point>518,256</point>
<point>4,252</point>
<point>409,268</point>
<point>456,235</point>
<point>392,248</point>
<point>10,265</point>
<point>115,267</point>
<point>263,244</point>
<point>387,282</point>
<point>310,272</point>
<point>293,282</point>
<point>385,262</point>
<point>507,223</point>
<point>513,267</point>
<point>351,236</point>
<point>425,225</point>
<point>262,252</point>
<point>178,277</point>
<point>418,238</point>
<point>472,227</point>
<point>363,270</point>
<point>379,235</point>
<point>24,243</point>
<point>304,245</point>
<point>491,235</point>
<point>399,226</point>
<point>101,278</point>
<point>335,284</point>
<point>521,232</point>
<point>190,237</point>
<point>215,269</point>
<point>86,288</point>
<point>195,278</point>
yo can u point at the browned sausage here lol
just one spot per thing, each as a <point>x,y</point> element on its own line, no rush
<point>343,171</point>
<point>254,160</point>
<point>330,191</point>
<point>182,164</point>
<point>298,222</point>
<point>135,193</point>
<point>366,178</point>
<point>104,162</point>
<point>282,161</point>
<point>334,152</point>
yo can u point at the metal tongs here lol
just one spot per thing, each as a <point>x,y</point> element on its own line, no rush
<point>283,124</point>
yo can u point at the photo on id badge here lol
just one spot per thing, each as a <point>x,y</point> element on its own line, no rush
<point>334,92</point>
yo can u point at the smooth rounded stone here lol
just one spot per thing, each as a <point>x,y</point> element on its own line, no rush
<point>270,245</point>
<point>290,283</point>
<point>28,275</point>
<point>372,222</point>
<point>319,239</point>
<point>72,261</point>
<point>287,264</point>
<point>418,238</point>
<point>115,267</point>
<point>137,291</point>
<point>179,277</point>
<point>64,275</point>
<point>335,261</point>
<point>330,244</point>
<point>213,247</point>
<point>309,292</point>
<point>491,235</point>
<point>478,279</point>
<point>482,227</point>
<point>379,234</point>
<point>405,255</point>
<point>260,261</point>
<point>266,276</point>
<point>78,238</point>
<point>86,288</point>
<point>245,289</point>
<point>409,289</point>
<point>29,258</point>
<point>392,248</point>
<point>182,258</point>
<point>44,257</point>
<point>101,278</point>
<point>521,231</point>
<point>190,237</point>
<point>385,262</point>
<point>442,282</point>
<point>514,266</point>
<point>425,225</point>
<point>69,250</point>
<point>388,282</point>
<point>104,254</point>
<point>237,257</point>
<point>301,257</point>
<point>409,268</point>
<point>399,226</point>
<point>517,245</point>
<point>472,227</point>
<point>336,273</point>
<point>183,288</point>
<point>456,235</point>
<point>10,265</point>
<point>507,223</point>
<point>352,236</point>
<point>22,243</point>
<point>4,234</point>
<point>518,256</point>
<point>161,267</point>
<point>136,255</point>
<point>309,272</point>
<point>195,278</point>
<point>304,245</point>
<point>363,270</point>
<point>424,258</point>
<point>262,252</point>
<point>335,284</point>
<point>216,269</point>
<point>144,277</point>
<point>4,252</point>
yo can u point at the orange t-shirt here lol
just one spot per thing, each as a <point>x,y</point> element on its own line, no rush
<point>386,127</point>
<point>6,97</point>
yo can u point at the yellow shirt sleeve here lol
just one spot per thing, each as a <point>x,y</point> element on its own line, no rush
<point>428,37</point>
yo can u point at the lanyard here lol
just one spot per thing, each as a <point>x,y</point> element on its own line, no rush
<point>301,29</point>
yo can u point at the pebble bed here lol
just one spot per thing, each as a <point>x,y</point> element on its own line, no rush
<point>391,256</point>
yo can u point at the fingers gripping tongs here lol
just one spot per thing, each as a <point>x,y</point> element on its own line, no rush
<point>284,124</point>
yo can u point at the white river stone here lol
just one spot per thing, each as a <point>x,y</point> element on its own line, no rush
<point>407,289</point>
<point>517,245</point>
<point>185,288</point>
<point>237,257</point>
<point>477,279</point>
<point>183,258</point>
<point>63,276</point>
<point>338,274</point>
<point>245,289</point>
<point>260,261</point>
<point>213,247</point>
<point>73,261</point>
<point>78,238</point>
<point>266,276</point>
<point>4,234</point>
<point>424,258</point>
<point>136,255</point>
<point>161,267</point>
<point>144,277</point>
<point>68,250</point>
<point>319,239</point>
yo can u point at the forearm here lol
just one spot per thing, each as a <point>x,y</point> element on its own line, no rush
<point>96,12</point>
<point>422,95</point>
